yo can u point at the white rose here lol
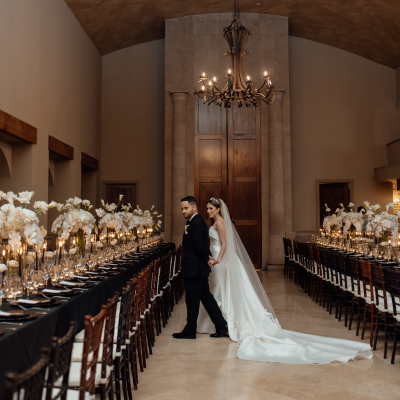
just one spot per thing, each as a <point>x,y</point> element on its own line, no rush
<point>12,263</point>
<point>72,251</point>
<point>29,260</point>
<point>3,267</point>
<point>48,254</point>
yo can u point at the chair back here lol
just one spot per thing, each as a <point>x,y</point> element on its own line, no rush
<point>311,261</point>
<point>367,280</point>
<point>324,263</point>
<point>342,270</point>
<point>378,277</point>
<point>28,385</point>
<point>109,332</point>
<point>332,267</point>
<point>317,259</point>
<point>393,286</point>
<point>93,330</point>
<point>354,273</point>
<point>60,361</point>
<point>123,320</point>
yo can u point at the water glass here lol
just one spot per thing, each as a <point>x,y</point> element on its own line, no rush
<point>15,285</point>
<point>3,285</point>
<point>56,270</point>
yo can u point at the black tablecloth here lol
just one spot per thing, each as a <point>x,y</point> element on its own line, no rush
<point>21,348</point>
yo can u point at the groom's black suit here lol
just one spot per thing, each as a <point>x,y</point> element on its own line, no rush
<point>195,271</point>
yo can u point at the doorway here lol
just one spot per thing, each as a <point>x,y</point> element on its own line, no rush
<point>113,190</point>
<point>228,166</point>
<point>332,194</point>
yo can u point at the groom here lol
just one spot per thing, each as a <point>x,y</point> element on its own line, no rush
<point>195,271</point>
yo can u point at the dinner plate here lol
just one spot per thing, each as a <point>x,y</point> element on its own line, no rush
<point>28,315</point>
<point>59,292</point>
<point>10,315</point>
<point>38,303</point>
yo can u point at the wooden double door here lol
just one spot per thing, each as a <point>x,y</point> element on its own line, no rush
<point>228,166</point>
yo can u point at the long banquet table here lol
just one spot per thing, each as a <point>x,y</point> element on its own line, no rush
<point>21,348</point>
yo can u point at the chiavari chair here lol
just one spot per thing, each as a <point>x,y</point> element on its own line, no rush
<point>334,293</point>
<point>326,278</point>
<point>93,328</point>
<point>393,281</point>
<point>135,346</point>
<point>287,259</point>
<point>28,385</point>
<point>147,311</point>
<point>356,290</point>
<point>154,298</point>
<point>369,298</point>
<point>319,275</point>
<point>312,271</point>
<point>142,311</point>
<point>59,365</point>
<point>345,294</point>
<point>383,306</point>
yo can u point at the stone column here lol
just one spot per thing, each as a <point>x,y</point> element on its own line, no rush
<point>178,164</point>
<point>276,182</point>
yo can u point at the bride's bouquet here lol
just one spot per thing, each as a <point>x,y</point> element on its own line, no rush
<point>18,223</point>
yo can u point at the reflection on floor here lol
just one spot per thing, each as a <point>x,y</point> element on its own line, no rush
<point>207,368</point>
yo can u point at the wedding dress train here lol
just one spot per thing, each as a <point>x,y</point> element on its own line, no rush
<point>251,320</point>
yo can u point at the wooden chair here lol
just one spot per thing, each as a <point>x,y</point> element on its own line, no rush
<point>59,365</point>
<point>356,285</point>
<point>344,295</point>
<point>393,281</point>
<point>28,385</point>
<point>319,276</point>
<point>121,361</point>
<point>133,329</point>
<point>368,295</point>
<point>383,306</point>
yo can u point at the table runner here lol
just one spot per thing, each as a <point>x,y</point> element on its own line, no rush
<point>21,348</point>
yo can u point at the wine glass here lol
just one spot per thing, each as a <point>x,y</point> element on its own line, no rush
<point>15,285</point>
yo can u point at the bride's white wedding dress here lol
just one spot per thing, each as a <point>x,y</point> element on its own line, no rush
<point>251,320</point>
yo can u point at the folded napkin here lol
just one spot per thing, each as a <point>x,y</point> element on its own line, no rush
<point>79,277</point>
<point>27,301</point>
<point>4,314</point>
<point>92,273</point>
<point>54,291</point>
<point>68,283</point>
<point>110,264</point>
<point>104,268</point>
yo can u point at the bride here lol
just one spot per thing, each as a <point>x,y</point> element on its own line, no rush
<point>251,320</point>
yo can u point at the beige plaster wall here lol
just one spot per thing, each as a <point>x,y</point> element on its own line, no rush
<point>343,112</point>
<point>133,120</point>
<point>50,77</point>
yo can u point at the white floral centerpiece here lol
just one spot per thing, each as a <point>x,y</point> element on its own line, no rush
<point>110,218</point>
<point>148,218</point>
<point>18,223</point>
<point>352,221</point>
<point>381,223</point>
<point>76,220</point>
<point>332,222</point>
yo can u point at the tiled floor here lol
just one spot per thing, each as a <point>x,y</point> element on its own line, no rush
<point>207,368</point>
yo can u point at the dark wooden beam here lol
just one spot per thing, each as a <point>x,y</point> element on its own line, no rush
<point>89,161</point>
<point>17,129</point>
<point>60,148</point>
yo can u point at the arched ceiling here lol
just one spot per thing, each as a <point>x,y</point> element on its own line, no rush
<point>369,28</point>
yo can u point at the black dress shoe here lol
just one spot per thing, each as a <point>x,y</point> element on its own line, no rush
<point>221,333</point>
<point>183,335</point>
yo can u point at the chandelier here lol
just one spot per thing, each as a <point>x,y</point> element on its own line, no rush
<point>237,88</point>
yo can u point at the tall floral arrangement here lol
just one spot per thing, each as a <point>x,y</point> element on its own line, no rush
<point>148,218</point>
<point>381,222</point>
<point>18,223</point>
<point>110,217</point>
<point>352,221</point>
<point>332,222</point>
<point>76,220</point>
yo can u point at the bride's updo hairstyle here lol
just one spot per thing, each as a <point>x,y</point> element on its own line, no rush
<point>216,203</point>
